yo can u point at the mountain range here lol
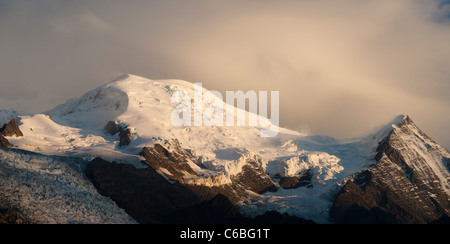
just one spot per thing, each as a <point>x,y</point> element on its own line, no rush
<point>114,156</point>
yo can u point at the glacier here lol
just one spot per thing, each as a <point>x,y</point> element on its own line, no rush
<point>53,190</point>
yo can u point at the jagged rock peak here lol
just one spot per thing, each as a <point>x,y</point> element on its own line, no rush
<point>406,121</point>
<point>11,129</point>
<point>408,184</point>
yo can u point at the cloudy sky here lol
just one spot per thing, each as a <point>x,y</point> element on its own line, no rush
<point>342,67</point>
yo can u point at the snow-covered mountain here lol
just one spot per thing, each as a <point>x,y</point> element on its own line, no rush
<point>409,183</point>
<point>128,121</point>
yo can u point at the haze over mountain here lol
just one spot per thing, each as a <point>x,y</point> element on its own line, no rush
<point>344,66</point>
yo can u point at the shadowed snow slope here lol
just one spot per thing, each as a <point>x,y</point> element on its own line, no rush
<point>52,190</point>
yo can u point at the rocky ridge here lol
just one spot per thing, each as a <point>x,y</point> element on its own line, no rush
<point>409,183</point>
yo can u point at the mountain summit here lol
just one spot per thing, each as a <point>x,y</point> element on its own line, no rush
<point>121,137</point>
<point>410,183</point>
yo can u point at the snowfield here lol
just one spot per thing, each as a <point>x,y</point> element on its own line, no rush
<point>76,129</point>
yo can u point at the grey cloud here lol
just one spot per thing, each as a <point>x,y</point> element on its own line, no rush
<point>341,67</point>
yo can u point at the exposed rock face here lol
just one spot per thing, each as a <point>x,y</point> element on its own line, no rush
<point>11,215</point>
<point>112,128</point>
<point>150,198</point>
<point>11,129</point>
<point>4,142</point>
<point>408,184</point>
<point>218,210</point>
<point>8,130</point>
<point>125,135</point>
<point>176,164</point>
<point>253,178</point>
<point>143,193</point>
<point>302,180</point>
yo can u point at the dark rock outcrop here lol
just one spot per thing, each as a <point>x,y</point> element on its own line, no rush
<point>253,178</point>
<point>11,215</point>
<point>304,179</point>
<point>175,161</point>
<point>4,142</point>
<point>403,187</point>
<point>218,210</point>
<point>143,193</point>
<point>11,129</point>
<point>112,128</point>
<point>444,220</point>
<point>125,135</point>
<point>353,205</point>
<point>150,199</point>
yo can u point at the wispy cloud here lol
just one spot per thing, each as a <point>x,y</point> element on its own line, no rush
<point>80,22</point>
